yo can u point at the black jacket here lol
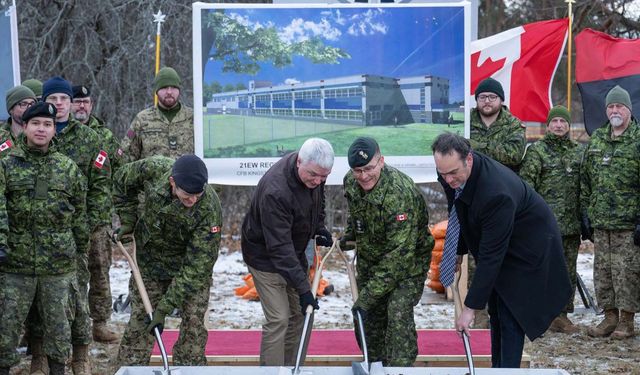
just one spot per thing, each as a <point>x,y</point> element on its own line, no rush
<point>514,238</point>
<point>283,217</point>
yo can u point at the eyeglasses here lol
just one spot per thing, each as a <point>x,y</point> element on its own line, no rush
<point>366,170</point>
<point>82,101</point>
<point>25,104</point>
<point>490,98</point>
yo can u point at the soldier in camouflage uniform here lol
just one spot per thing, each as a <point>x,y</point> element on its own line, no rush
<point>18,99</point>
<point>43,225</point>
<point>83,146</point>
<point>177,238</point>
<point>609,193</point>
<point>498,134</point>
<point>100,248</point>
<point>388,219</point>
<point>552,167</point>
<point>163,130</point>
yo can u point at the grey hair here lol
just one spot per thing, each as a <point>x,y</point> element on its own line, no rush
<point>318,151</point>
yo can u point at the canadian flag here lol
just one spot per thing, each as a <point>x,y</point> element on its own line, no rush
<point>100,159</point>
<point>524,60</point>
<point>6,145</point>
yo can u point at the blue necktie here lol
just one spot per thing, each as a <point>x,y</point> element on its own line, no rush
<point>448,262</point>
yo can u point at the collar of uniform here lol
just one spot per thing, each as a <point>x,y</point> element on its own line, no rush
<point>554,140</point>
<point>69,128</point>
<point>24,151</point>
<point>632,130</point>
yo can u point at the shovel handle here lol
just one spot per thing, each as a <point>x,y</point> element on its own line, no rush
<point>351,272</point>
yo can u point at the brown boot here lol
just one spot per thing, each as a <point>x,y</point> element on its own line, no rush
<point>607,326</point>
<point>102,333</point>
<point>39,363</point>
<point>624,330</point>
<point>562,324</point>
<point>80,362</point>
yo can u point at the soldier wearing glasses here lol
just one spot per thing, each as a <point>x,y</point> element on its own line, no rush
<point>388,220</point>
<point>18,100</point>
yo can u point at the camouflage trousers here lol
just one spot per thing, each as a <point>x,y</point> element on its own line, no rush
<point>99,284</point>
<point>137,343</point>
<point>616,270</point>
<point>571,245</point>
<point>51,296</point>
<point>81,325</point>
<point>390,328</point>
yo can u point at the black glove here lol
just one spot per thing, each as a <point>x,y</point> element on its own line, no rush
<point>3,254</point>
<point>323,238</point>
<point>357,309</point>
<point>636,235</point>
<point>347,243</point>
<point>307,299</point>
<point>585,228</point>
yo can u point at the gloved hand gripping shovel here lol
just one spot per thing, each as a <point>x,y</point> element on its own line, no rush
<point>145,300</point>
<point>465,338</point>
<point>359,368</point>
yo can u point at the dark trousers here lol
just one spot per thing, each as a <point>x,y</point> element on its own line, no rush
<point>507,337</point>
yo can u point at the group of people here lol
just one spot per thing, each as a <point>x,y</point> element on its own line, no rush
<point>63,174</point>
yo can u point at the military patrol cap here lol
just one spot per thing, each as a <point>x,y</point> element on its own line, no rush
<point>190,174</point>
<point>362,151</point>
<point>35,85</point>
<point>40,109</point>
<point>17,94</point>
<point>559,111</point>
<point>80,91</point>
<point>619,95</point>
<point>56,85</point>
<point>490,85</point>
<point>166,77</point>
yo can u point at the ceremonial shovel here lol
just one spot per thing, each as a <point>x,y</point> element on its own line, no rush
<point>359,368</point>
<point>146,302</point>
<point>458,309</point>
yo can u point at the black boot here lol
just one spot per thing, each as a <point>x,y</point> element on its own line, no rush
<point>55,368</point>
<point>4,370</point>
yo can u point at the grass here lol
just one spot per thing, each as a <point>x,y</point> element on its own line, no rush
<point>288,135</point>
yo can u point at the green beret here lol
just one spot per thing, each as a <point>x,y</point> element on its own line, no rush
<point>35,85</point>
<point>490,85</point>
<point>559,111</point>
<point>40,109</point>
<point>619,95</point>
<point>362,151</point>
<point>17,94</point>
<point>166,77</point>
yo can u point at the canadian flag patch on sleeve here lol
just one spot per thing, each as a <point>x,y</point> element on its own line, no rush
<point>215,229</point>
<point>6,145</point>
<point>100,159</point>
<point>401,217</point>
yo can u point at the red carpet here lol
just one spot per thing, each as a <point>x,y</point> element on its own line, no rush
<point>333,342</point>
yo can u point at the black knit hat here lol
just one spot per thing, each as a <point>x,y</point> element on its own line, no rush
<point>40,109</point>
<point>190,174</point>
<point>57,85</point>
<point>81,91</point>
<point>362,151</point>
<point>490,85</point>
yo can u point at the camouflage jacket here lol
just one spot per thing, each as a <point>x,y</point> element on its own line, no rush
<point>390,226</point>
<point>7,140</point>
<point>174,242</point>
<point>504,141</point>
<point>109,143</point>
<point>43,220</point>
<point>610,178</point>
<point>151,133</point>
<point>83,146</point>
<point>552,167</point>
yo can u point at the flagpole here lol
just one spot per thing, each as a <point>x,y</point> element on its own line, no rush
<point>569,53</point>
<point>159,19</point>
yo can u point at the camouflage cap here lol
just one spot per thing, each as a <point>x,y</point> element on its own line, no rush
<point>17,94</point>
<point>618,95</point>
<point>166,77</point>
<point>40,109</point>
<point>190,173</point>
<point>362,151</point>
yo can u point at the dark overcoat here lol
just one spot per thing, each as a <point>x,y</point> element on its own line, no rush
<point>515,241</point>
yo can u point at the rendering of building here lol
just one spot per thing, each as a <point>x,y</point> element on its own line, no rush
<point>362,99</point>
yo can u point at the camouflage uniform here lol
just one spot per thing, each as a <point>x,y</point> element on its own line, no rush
<point>7,140</point>
<point>552,167</point>
<point>505,141</point>
<point>177,248</point>
<point>151,133</point>
<point>43,225</point>
<point>100,248</point>
<point>609,192</point>
<point>390,226</point>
